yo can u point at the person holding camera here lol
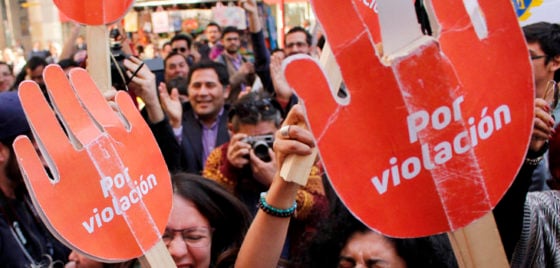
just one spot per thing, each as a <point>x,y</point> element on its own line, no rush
<point>246,166</point>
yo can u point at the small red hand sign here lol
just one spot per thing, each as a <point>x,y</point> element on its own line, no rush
<point>110,195</point>
<point>94,12</point>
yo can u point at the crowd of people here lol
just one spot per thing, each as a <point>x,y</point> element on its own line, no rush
<point>225,124</point>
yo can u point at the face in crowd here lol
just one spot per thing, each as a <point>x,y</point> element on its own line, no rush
<point>188,239</point>
<point>541,68</point>
<point>7,78</point>
<point>175,66</point>
<point>231,42</point>
<point>181,47</point>
<point>296,43</point>
<point>369,249</point>
<point>206,94</point>
<point>36,74</point>
<point>212,34</point>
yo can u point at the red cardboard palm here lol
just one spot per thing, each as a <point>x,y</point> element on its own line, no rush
<point>431,141</point>
<point>111,193</point>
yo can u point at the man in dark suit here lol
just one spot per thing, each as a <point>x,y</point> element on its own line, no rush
<point>186,132</point>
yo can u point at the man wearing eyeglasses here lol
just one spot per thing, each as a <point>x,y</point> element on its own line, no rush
<point>297,41</point>
<point>543,42</point>
<point>246,165</point>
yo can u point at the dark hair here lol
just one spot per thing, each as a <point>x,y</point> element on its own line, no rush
<point>253,108</point>
<point>215,25</point>
<point>301,30</point>
<point>173,54</point>
<point>180,83</point>
<point>230,29</point>
<point>325,247</point>
<point>32,64</point>
<point>547,35</point>
<point>67,63</point>
<point>9,66</point>
<point>219,68</point>
<point>225,213</point>
<point>182,37</point>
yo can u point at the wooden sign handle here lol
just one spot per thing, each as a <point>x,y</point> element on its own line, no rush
<point>158,256</point>
<point>98,63</point>
<point>479,244</point>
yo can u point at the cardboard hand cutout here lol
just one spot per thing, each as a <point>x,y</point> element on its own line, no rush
<point>429,138</point>
<point>111,194</point>
<point>94,12</point>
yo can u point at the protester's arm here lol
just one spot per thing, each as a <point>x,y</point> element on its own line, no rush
<point>509,211</point>
<point>253,15</point>
<point>69,49</point>
<point>144,86</point>
<point>264,240</point>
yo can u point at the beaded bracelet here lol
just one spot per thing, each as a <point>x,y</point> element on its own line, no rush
<point>276,212</point>
<point>534,161</point>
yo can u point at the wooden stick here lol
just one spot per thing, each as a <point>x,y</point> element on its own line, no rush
<point>98,56</point>
<point>158,256</point>
<point>99,68</point>
<point>479,244</point>
<point>330,67</point>
<point>296,168</point>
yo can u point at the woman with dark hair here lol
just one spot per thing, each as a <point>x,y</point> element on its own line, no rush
<point>207,224</point>
<point>344,242</point>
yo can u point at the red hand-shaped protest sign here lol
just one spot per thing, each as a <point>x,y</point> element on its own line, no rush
<point>111,194</point>
<point>94,12</point>
<point>431,142</point>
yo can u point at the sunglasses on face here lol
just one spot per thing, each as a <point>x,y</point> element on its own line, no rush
<point>181,49</point>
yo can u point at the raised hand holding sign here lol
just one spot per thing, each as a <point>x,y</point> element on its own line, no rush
<point>439,126</point>
<point>110,195</point>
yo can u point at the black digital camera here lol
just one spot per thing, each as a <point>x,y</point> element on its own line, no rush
<point>260,145</point>
<point>119,78</point>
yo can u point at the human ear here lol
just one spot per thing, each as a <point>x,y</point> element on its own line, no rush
<point>555,63</point>
<point>227,90</point>
<point>4,153</point>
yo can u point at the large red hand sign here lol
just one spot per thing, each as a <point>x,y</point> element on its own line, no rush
<point>111,193</point>
<point>94,12</point>
<point>431,142</point>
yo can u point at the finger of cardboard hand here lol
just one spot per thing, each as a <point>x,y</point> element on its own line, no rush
<point>131,114</point>
<point>42,120</point>
<point>318,82</point>
<point>31,167</point>
<point>73,115</point>
<point>92,98</point>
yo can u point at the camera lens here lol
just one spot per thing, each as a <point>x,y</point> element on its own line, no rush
<point>260,148</point>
